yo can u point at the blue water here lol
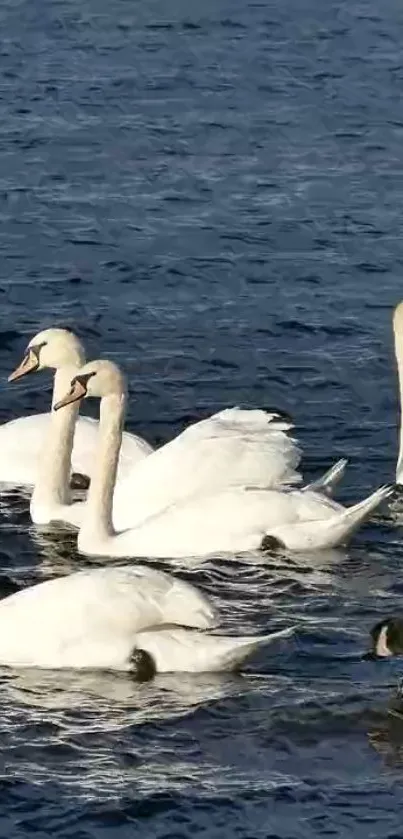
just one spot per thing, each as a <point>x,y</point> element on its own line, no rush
<point>212,194</point>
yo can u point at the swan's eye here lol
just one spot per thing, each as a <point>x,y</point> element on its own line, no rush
<point>36,351</point>
<point>72,386</point>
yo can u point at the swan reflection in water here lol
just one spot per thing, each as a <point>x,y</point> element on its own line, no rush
<point>100,692</point>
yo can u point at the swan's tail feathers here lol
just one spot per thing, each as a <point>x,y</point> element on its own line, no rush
<point>232,652</point>
<point>336,530</point>
<point>175,649</point>
<point>360,512</point>
<point>328,482</point>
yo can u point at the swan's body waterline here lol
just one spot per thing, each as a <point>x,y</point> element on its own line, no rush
<point>35,450</point>
<point>97,618</point>
<point>231,520</point>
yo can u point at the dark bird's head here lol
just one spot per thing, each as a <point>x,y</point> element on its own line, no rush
<point>386,639</point>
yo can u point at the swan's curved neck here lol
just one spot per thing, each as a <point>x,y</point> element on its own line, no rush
<point>399,361</point>
<point>53,479</point>
<point>97,523</point>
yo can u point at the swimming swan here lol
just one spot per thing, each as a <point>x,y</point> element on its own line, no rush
<point>226,520</point>
<point>118,618</point>
<point>398,336</point>
<point>22,440</point>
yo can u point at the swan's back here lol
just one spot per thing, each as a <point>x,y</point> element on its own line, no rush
<point>230,449</point>
<point>22,441</point>
<point>46,624</point>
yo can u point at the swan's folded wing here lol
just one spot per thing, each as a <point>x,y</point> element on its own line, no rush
<point>22,440</point>
<point>91,617</point>
<point>230,449</point>
<point>20,443</point>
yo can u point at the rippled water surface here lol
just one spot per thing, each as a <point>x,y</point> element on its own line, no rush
<point>212,194</point>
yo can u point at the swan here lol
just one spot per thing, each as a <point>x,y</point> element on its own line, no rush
<point>118,618</point>
<point>225,521</point>
<point>398,340</point>
<point>22,439</point>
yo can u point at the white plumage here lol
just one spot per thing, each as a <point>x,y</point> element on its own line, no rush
<point>235,521</point>
<point>22,441</point>
<point>175,649</point>
<point>398,336</point>
<point>234,448</point>
<point>96,618</point>
<point>224,520</point>
<point>91,618</point>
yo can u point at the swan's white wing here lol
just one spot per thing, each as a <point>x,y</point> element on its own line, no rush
<point>174,649</point>
<point>20,443</point>
<point>22,439</point>
<point>232,448</point>
<point>90,618</point>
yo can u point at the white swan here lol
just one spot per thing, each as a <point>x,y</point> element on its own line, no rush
<point>23,456</point>
<point>226,520</point>
<point>398,336</point>
<point>118,618</point>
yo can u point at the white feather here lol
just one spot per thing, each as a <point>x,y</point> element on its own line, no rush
<point>210,519</point>
<point>91,618</point>
<point>328,482</point>
<point>230,449</point>
<point>175,649</point>
<point>22,441</point>
<point>235,521</point>
<point>337,529</point>
<point>97,618</point>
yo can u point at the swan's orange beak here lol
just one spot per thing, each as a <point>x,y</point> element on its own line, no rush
<point>77,391</point>
<point>29,364</point>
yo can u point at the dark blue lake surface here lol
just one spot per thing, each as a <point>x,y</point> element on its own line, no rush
<point>212,194</point>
